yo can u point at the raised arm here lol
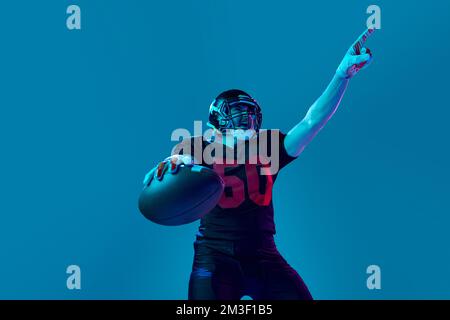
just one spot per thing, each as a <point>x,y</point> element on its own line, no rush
<point>356,58</point>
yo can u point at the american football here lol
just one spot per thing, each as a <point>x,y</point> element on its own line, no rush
<point>183,197</point>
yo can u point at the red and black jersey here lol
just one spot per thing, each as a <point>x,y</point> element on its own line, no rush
<point>246,207</point>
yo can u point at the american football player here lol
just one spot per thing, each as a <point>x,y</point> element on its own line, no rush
<point>235,252</point>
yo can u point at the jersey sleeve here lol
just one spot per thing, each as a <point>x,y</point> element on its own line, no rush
<point>284,157</point>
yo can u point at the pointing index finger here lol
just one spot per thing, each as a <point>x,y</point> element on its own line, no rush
<point>359,43</point>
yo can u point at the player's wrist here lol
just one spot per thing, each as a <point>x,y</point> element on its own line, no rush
<point>342,74</point>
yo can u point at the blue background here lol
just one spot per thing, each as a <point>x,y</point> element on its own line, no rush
<point>84,115</point>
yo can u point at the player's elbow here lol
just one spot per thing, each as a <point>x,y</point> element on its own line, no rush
<point>312,121</point>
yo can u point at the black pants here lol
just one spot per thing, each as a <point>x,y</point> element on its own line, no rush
<point>228,270</point>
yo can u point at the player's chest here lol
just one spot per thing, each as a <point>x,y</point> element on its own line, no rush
<point>244,182</point>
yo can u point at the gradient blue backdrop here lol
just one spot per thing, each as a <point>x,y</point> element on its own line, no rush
<point>84,115</point>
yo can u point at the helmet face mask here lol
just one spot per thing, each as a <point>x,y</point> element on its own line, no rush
<point>242,117</point>
<point>235,110</point>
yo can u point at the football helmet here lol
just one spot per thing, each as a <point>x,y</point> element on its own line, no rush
<point>234,109</point>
